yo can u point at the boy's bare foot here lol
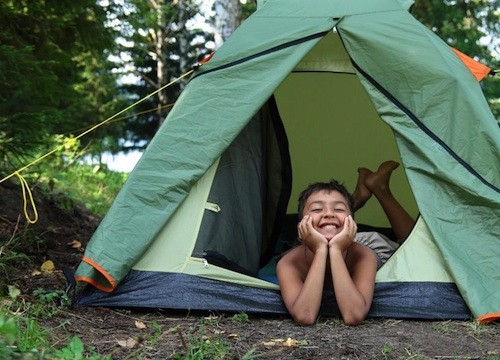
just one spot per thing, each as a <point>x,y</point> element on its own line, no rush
<point>361,194</point>
<point>378,181</point>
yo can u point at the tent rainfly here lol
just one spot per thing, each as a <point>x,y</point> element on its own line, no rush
<point>302,92</point>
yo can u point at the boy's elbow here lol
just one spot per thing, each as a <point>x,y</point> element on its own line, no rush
<point>354,318</point>
<point>305,319</point>
<point>353,321</point>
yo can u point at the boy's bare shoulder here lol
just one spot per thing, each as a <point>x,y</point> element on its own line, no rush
<point>295,258</point>
<point>294,252</point>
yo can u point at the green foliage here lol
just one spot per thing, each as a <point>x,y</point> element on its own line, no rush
<point>93,186</point>
<point>53,71</point>
<point>158,332</point>
<point>241,318</point>
<point>205,346</point>
<point>9,330</point>
<point>9,258</point>
<point>159,44</point>
<point>22,337</point>
<point>74,350</point>
<point>12,254</point>
<point>202,343</point>
<point>48,303</point>
<point>386,350</point>
<point>248,8</point>
<point>69,179</point>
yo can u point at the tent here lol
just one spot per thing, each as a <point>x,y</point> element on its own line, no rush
<point>304,92</point>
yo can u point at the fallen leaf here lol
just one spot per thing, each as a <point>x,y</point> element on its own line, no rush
<point>36,273</point>
<point>140,324</point>
<point>273,342</point>
<point>14,292</point>
<point>75,244</point>
<point>48,266</point>
<point>233,336</point>
<point>129,343</point>
<point>268,343</point>
<point>288,342</point>
<point>5,302</point>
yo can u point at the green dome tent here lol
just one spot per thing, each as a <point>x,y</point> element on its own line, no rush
<point>302,92</point>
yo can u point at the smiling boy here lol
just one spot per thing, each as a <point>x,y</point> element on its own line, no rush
<point>329,255</point>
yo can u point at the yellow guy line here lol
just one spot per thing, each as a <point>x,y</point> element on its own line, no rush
<point>127,116</point>
<point>23,181</point>
<point>26,188</point>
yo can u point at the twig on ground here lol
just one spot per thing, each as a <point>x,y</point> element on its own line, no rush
<point>184,344</point>
<point>12,237</point>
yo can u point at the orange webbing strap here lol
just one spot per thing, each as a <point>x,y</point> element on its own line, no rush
<point>488,318</point>
<point>476,68</point>
<point>109,287</point>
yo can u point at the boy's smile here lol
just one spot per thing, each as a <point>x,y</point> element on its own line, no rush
<point>328,210</point>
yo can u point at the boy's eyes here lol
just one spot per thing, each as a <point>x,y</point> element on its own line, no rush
<point>338,209</point>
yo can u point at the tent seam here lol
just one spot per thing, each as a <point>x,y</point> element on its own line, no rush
<point>262,53</point>
<point>424,128</point>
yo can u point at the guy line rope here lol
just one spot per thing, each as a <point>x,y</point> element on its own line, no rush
<point>24,185</point>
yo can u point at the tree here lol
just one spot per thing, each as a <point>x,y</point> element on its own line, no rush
<point>158,43</point>
<point>471,26</point>
<point>227,19</point>
<point>51,53</point>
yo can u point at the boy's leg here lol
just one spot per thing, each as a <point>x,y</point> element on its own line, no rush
<point>378,183</point>
<point>361,194</point>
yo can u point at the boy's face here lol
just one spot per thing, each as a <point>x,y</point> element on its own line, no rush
<point>328,210</point>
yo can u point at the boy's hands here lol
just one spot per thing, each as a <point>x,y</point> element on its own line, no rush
<point>314,240</point>
<point>310,236</point>
<point>345,237</point>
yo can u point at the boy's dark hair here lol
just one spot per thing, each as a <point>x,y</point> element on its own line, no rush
<point>332,185</point>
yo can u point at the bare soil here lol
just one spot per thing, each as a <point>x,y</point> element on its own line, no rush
<point>163,334</point>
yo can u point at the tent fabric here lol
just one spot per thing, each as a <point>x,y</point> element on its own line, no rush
<point>417,300</point>
<point>227,236</point>
<point>447,138</point>
<point>443,158</point>
<point>251,171</point>
<point>162,178</point>
<point>479,70</point>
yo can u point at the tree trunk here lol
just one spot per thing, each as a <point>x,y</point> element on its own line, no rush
<point>227,19</point>
<point>183,42</point>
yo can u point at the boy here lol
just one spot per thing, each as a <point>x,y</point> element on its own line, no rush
<point>329,254</point>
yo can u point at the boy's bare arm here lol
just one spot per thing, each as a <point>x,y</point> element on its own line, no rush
<point>353,268</point>
<point>353,279</point>
<point>302,292</point>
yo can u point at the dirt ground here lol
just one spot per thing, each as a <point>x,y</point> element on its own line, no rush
<point>163,334</point>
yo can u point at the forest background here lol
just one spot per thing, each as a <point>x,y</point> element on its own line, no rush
<point>71,72</point>
<point>66,66</point>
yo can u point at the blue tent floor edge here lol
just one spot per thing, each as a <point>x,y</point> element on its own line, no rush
<point>175,291</point>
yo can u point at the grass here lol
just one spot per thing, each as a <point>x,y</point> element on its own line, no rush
<point>386,350</point>
<point>21,336</point>
<point>241,318</point>
<point>204,344</point>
